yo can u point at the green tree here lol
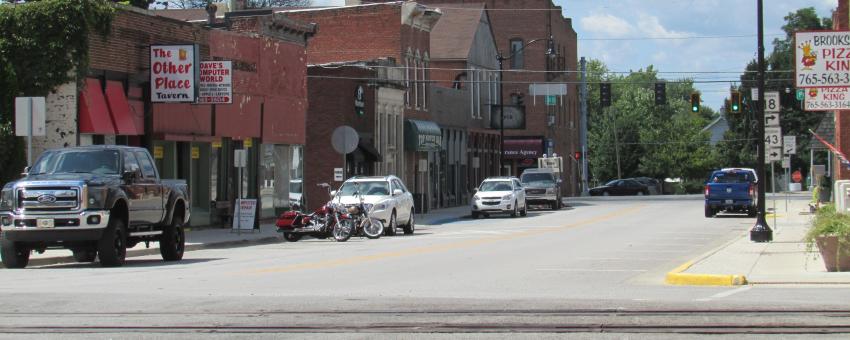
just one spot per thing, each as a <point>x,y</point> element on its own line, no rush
<point>740,142</point>
<point>654,141</point>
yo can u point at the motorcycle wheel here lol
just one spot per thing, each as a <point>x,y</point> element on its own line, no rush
<point>342,230</point>
<point>291,237</point>
<point>373,228</point>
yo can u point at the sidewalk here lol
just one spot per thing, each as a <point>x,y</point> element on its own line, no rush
<point>211,237</point>
<point>783,261</point>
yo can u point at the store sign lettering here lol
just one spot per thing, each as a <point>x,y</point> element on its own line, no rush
<point>215,86</point>
<point>173,73</point>
<point>429,141</point>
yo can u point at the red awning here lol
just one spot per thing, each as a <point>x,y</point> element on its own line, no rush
<point>119,108</point>
<point>94,114</point>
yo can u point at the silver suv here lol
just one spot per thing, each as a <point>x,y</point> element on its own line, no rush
<point>542,186</point>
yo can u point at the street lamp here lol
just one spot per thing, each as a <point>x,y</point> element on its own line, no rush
<point>550,51</point>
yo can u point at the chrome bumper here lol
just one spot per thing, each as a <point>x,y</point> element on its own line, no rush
<point>10,221</point>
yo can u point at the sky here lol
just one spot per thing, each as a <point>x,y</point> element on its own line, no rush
<point>616,32</point>
<point>631,22</point>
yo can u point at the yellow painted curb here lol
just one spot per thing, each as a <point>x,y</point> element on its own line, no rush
<point>676,277</point>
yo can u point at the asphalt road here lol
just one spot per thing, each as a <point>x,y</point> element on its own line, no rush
<point>596,266</point>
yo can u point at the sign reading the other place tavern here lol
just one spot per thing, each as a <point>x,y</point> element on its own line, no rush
<point>173,73</point>
<point>215,86</point>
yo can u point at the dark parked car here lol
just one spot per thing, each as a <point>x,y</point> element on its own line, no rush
<point>652,184</point>
<point>620,187</point>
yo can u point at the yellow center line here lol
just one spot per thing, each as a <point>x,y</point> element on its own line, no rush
<point>441,247</point>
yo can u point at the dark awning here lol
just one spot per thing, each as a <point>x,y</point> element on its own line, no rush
<point>94,114</point>
<point>370,154</point>
<point>125,122</point>
<point>523,148</point>
<point>422,135</point>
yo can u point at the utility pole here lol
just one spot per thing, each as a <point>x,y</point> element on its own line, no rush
<point>761,232</point>
<point>583,127</point>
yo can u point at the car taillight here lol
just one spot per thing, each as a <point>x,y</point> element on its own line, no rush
<point>752,190</point>
<point>706,191</point>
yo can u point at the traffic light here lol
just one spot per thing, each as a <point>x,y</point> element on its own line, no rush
<point>605,94</point>
<point>660,93</point>
<point>735,102</point>
<point>695,102</point>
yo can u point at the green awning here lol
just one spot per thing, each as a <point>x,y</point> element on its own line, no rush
<point>422,135</point>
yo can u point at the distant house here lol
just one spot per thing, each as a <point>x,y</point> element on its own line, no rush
<point>718,128</point>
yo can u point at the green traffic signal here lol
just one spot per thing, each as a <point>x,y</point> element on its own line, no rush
<point>735,102</point>
<point>695,102</point>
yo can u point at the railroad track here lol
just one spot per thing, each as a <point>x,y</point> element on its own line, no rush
<point>455,321</point>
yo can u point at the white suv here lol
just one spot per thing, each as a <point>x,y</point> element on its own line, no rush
<point>386,196</point>
<point>499,195</point>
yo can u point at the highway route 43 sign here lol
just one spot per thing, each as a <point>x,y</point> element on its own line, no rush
<point>772,137</point>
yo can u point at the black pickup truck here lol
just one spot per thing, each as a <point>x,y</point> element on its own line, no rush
<point>96,201</point>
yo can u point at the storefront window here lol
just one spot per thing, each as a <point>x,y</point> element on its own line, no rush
<point>281,172</point>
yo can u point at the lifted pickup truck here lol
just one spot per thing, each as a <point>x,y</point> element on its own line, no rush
<point>96,201</point>
<point>731,190</point>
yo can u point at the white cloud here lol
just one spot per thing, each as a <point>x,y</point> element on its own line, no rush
<point>651,27</point>
<point>606,24</point>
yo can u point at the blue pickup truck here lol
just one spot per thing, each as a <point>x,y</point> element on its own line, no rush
<point>731,190</point>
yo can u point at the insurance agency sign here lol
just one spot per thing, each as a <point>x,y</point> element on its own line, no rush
<point>174,73</point>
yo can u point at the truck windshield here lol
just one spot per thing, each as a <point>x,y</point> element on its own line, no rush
<point>537,178</point>
<point>105,162</point>
<point>730,177</point>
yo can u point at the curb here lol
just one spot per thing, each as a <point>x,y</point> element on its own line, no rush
<point>676,277</point>
<point>155,251</point>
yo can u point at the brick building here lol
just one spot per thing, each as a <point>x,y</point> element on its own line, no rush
<point>841,21</point>
<point>189,141</point>
<point>533,127</point>
<point>397,31</point>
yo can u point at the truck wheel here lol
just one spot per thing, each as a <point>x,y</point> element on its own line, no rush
<point>112,247</point>
<point>13,255</point>
<point>84,254</point>
<point>172,242</point>
<point>709,212</point>
<point>555,205</point>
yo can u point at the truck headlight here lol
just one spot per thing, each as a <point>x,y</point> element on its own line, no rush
<point>6,199</point>
<point>550,190</point>
<point>96,198</point>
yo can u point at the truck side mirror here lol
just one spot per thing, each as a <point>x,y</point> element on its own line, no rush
<point>26,171</point>
<point>129,176</point>
<point>397,192</point>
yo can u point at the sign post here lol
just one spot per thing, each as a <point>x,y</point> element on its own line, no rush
<point>246,209</point>
<point>29,120</point>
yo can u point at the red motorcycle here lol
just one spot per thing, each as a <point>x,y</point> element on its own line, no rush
<point>330,220</point>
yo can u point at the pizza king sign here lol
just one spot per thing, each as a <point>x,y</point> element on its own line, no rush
<point>174,73</point>
<point>827,99</point>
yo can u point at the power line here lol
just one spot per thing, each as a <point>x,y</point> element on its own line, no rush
<point>680,38</point>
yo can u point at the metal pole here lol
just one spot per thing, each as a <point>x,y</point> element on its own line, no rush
<point>616,143</point>
<point>29,132</point>
<point>583,126</point>
<point>501,118</point>
<point>761,232</point>
<point>773,178</point>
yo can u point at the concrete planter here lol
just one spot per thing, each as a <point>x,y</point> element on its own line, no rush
<point>836,259</point>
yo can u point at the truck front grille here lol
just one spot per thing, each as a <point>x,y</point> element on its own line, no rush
<point>48,199</point>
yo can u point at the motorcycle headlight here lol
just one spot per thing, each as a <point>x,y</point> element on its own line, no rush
<point>96,198</point>
<point>507,197</point>
<point>6,199</point>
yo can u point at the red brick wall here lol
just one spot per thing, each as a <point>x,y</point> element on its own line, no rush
<point>842,122</point>
<point>126,49</point>
<point>354,33</point>
<point>331,106</point>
